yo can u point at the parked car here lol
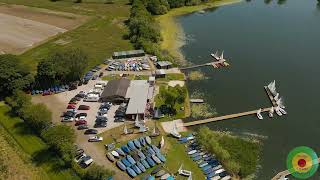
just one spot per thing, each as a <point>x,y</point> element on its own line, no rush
<point>86,161</point>
<point>80,122</point>
<point>79,152</point>
<point>95,139</point>
<point>69,114</point>
<point>101,74</point>
<point>91,131</point>
<point>118,119</point>
<point>83,126</point>
<point>77,97</point>
<point>79,157</point>
<point>81,114</point>
<point>46,93</point>
<point>67,119</point>
<point>95,77</point>
<point>71,106</point>
<point>102,118</point>
<point>100,124</point>
<point>103,111</point>
<point>83,107</point>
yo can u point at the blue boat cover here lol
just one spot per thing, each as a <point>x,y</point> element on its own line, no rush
<point>131,172</point>
<point>150,161</point>
<point>121,165</point>
<point>125,149</point>
<point>151,178</point>
<point>141,167</point>
<point>131,145</point>
<point>136,169</point>
<point>145,164</point>
<point>142,141</point>
<point>126,162</point>
<point>137,143</point>
<point>130,159</point>
<point>161,157</point>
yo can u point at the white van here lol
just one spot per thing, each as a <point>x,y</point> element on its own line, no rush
<point>92,98</point>
<point>103,83</point>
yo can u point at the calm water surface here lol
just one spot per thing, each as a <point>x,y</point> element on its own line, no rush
<point>263,42</point>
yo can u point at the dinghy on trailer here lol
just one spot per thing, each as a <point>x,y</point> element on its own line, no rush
<point>183,172</point>
<point>145,163</point>
<point>131,172</point>
<point>161,157</point>
<point>160,173</point>
<point>110,157</point>
<point>148,140</point>
<point>156,159</point>
<point>121,165</point>
<point>120,152</point>
<point>161,142</point>
<point>137,143</point>
<point>142,141</point>
<point>125,149</point>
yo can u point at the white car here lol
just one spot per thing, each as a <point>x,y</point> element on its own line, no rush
<point>95,139</point>
<point>81,118</point>
<point>78,159</point>
<point>67,119</point>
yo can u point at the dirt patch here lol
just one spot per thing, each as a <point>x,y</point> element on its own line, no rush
<point>168,126</point>
<point>23,27</point>
<point>60,19</point>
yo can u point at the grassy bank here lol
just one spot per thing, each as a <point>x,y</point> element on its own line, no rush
<point>171,31</point>
<point>99,37</point>
<point>238,156</point>
<point>36,150</point>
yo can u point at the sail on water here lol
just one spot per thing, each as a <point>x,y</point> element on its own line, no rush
<point>280,103</point>
<point>272,87</point>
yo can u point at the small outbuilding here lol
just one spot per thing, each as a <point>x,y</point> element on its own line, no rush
<point>160,73</point>
<point>115,91</point>
<point>164,64</point>
<point>128,54</point>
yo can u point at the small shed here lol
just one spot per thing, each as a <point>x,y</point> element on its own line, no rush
<point>128,54</point>
<point>164,64</point>
<point>160,73</point>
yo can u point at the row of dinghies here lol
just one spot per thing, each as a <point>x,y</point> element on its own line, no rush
<point>207,162</point>
<point>278,105</point>
<point>137,156</point>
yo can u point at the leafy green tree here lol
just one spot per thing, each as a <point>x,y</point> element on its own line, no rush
<point>176,3</point>
<point>96,172</point>
<point>18,102</point>
<point>13,75</point>
<point>62,66</point>
<point>158,6</point>
<point>61,139</point>
<point>37,116</point>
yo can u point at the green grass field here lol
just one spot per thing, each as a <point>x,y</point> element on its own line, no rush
<point>32,145</point>
<point>101,35</point>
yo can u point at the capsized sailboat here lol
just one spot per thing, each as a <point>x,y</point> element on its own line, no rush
<point>175,132</point>
<point>259,114</point>
<point>271,112</point>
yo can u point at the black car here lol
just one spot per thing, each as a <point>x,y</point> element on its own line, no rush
<point>91,131</point>
<point>83,126</point>
<point>80,95</point>
<point>81,114</point>
<point>95,77</point>
<point>77,98</point>
<point>69,114</point>
<point>101,74</point>
<point>100,124</point>
<point>119,119</point>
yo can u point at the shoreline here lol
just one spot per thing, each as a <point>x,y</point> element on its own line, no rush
<point>172,32</point>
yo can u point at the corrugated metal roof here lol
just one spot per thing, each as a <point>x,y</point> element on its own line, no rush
<point>138,94</point>
<point>164,63</point>
<point>116,88</point>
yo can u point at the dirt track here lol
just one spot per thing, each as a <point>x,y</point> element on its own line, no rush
<point>23,28</point>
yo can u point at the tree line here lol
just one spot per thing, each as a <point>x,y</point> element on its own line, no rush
<point>60,138</point>
<point>60,67</point>
<point>144,32</point>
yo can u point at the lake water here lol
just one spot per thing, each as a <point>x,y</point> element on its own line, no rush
<point>263,42</point>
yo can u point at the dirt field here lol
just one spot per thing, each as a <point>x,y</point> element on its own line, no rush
<point>23,27</point>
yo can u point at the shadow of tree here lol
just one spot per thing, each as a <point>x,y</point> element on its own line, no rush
<point>49,157</point>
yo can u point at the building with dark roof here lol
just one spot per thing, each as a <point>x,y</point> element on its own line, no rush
<point>163,64</point>
<point>115,91</point>
<point>128,54</point>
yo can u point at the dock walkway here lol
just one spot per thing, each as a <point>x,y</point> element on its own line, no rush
<point>273,101</point>
<point>230,116</point>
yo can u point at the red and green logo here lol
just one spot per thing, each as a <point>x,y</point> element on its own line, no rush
<point>302,162</point>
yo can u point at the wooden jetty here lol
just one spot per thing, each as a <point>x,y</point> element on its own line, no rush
<point>281,175</point>
<point>273,101</point>
<point>195,66</point>
<point>220,118</point>
<point>196,100</point>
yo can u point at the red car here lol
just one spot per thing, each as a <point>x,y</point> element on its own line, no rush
<point>71,106</point>
<point>84,107</point>
<point>81,122</point>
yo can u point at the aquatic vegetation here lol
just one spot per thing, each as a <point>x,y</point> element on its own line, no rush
<point>197,75</point>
